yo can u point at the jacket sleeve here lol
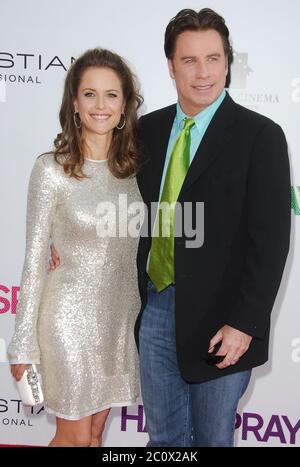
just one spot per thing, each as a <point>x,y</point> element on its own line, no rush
<point>269,220</point>
<point>41,202</point>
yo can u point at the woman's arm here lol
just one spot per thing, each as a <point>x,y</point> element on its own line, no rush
<point>41,204</point>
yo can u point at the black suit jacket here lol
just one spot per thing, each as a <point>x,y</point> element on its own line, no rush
<point>241,173</point>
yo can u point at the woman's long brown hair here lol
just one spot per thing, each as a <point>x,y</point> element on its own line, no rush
<point>123,158</point>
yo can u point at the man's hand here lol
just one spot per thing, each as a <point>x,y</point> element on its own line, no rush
<point>234,344</point>
<point>54,262</point>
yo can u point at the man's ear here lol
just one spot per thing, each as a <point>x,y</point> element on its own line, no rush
<point>171,68</point>
<point>226,64</point>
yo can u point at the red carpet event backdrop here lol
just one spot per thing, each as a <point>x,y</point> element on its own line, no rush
<point>39,40</point>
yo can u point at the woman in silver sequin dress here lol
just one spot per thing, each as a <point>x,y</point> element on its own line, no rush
<point>78,320</point>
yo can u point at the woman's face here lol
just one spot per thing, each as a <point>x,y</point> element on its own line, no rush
<point>99,101</point>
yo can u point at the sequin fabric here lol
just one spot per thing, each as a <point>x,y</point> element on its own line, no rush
<point>77,321</point>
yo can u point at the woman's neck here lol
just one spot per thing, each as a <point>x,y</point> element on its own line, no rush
<point>97,146</point>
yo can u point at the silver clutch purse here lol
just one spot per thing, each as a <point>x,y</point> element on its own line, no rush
<point>30,388</point>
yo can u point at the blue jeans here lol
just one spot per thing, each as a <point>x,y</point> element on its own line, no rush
<point>180,413</point>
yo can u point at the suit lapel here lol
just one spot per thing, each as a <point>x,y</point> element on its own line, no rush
<point>216,136</point>
<point>160,144</point>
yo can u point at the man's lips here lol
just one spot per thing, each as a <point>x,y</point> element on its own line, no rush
<point>202,87</point>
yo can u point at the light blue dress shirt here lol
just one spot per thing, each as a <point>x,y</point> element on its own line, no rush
<point>202,120</point>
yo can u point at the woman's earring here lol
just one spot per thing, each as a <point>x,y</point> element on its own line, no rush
<point>123,124</point>
<point>76,119</point>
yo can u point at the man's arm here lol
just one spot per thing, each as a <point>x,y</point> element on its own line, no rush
<point>269,223</point>
<point>269,219</point>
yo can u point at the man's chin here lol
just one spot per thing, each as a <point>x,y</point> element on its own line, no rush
<point>202,103</point>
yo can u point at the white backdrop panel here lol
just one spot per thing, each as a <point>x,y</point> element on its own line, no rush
<point>38,40</point>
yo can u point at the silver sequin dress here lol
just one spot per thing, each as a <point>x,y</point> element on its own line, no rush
<point>78,320</point>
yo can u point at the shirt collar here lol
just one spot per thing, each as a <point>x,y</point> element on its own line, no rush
<point>202,117</point>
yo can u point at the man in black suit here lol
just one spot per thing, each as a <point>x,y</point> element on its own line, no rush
<point>217,298</point>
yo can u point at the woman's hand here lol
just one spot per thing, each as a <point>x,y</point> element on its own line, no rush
<point>17,370</point>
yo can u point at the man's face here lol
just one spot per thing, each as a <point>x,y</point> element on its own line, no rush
<point>199,68</point>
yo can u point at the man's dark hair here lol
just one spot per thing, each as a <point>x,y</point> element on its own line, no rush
<point>190,20</point>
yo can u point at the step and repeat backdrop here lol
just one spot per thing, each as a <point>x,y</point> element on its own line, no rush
<point>38,42</point>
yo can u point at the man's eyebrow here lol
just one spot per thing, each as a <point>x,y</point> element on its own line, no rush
<point>215,54</point>
<point>187,56</point>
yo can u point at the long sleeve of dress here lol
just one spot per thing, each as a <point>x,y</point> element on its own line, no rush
<point>41,204</point>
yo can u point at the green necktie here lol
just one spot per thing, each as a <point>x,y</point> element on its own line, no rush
<point>161,261</point>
